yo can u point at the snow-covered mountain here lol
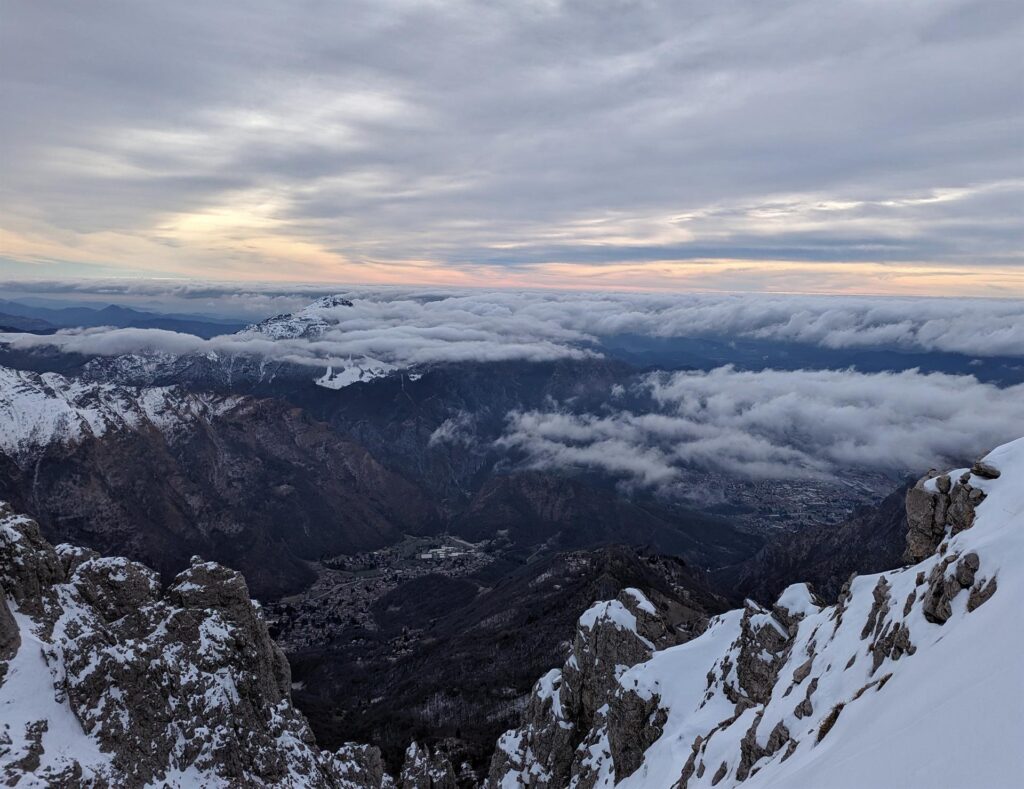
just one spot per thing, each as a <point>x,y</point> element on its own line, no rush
<point>912,679</point>
<point>40,409</point>
<point>280,347</point>
<point>310,321</point>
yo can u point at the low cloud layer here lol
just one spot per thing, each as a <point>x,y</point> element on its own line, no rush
<point>406,326</point>
<point>777,425</point>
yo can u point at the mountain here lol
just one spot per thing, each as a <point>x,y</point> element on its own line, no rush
<point>111,315</point>
<point>162,473</point>
<point>910,679</point>
<point>20,323</point>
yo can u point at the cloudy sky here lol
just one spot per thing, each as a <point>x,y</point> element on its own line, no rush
<point>860,146</point>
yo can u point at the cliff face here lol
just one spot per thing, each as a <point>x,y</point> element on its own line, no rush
<point>108,680</point>
<point>910,679</point>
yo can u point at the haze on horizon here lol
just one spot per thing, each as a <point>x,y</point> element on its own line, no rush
<point>856,147</point>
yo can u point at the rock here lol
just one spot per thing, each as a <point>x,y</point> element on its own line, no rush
<point>10,636</point>
<point>29,566</point>
<point>424,769</point>
<point>985,470</point>
<point>805,709</point>
<point>931,513</point>
<point>585,700</point>
<point>762,647</point>
<point>966,569</point>
<point>360,766</point>
<point>73,556</point>
<point>937,606</point>
<point>187,682</point>
<point>114,587</point>
<point>981,594</point>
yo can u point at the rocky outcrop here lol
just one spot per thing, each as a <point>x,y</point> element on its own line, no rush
<point>108,680</point>
<point>426,768</point>
<point>580,711</point>
<point>941,505</point>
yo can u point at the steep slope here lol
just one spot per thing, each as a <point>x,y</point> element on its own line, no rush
<point>871,540</point>
<point>107,680</point>
<point>160,473</point>
<point>911,679</point>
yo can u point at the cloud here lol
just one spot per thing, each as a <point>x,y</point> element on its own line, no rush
<point>259,140</point>
<point>410,326</point>
<point>777,425</point>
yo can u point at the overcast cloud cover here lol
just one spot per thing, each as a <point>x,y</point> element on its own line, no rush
<point>408,326</point>
<point>778,425</point>
<point>575,142</point>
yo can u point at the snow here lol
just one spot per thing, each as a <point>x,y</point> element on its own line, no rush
<point>354,371</point>
<point>948,715</point>
<point>611,611</point>
<point>642,602</point>
<point>549,687</point>
<point>797,599</point>
<point>40,409</point>
<point>26,697</point>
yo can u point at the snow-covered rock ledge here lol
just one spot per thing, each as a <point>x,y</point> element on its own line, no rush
<point>912,679</point>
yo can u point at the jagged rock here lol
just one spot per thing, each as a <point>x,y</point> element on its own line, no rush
<point>620,632</point>
<point>29,566</point>
<point>719,705</point>
<point>175,689</point>
<point>932,509</point>
<point>966,569</point>
<point>10,636</point>
<point>114,587</point>
<point>426,769</point>
<point>356,765</point>
<point>942,588</point>
<point>762,645</point>
<point>751,751</point>
<point>893,642</point>
<point>549,749</point>
<point>805,709</point>
<point>72,556</point>
<point>545,739</point>
<point>879,608</point>
<point>634,722</point>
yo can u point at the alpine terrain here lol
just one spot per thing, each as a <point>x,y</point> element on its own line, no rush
<point>109,677</point>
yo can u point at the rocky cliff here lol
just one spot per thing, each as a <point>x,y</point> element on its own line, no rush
<point>910,679</point>
<point>107,679</point>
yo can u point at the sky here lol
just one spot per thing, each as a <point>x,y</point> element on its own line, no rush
<point>855,147</point>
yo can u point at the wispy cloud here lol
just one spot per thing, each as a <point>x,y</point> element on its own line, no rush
<point>517,143</point>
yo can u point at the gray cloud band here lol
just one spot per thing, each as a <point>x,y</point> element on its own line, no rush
<point>406,326</point>
<point>777,425</point>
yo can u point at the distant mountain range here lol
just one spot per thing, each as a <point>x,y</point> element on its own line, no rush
<point>15,316</point>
